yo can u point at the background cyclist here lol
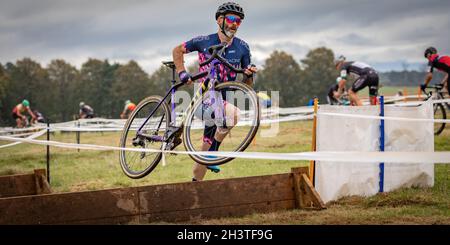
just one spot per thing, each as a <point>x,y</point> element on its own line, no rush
<point>129,107</point>
<point>228,18</point>
<point>334,98</point>
<point>440,62</point>
<point>39,117</point>
<point>86,111</point>
<point>332,94</point>
<point>18,113</point>
<point>365,76</point>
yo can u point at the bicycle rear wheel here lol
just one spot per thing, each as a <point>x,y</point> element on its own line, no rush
<point>242,97</point>
<point>439,113</point>
<point>138,164</point>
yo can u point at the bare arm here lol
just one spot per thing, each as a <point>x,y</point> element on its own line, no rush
<point>249,82</point>
<point>178,58</point>
<point>19,114</point>
<point>249,71</point>
<point>428,78</point>
<point>341,86</point>
<point>31,113</point>
<point>445,80</point>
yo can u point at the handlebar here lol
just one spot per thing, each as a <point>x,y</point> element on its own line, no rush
<point>214,51</point>
<point>436,87</point>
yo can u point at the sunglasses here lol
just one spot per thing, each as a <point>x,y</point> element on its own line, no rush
<point>230,19</point>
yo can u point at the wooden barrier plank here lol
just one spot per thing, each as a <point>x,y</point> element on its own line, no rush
<point>69,207</point>
<point>42,186</point>
<point>170,202</point>
<point>310,194</point>
<point>120,220</point>
<point>217,212</point>
<point>216,193</point>
<point>17,185</point>
<point>305,194</point>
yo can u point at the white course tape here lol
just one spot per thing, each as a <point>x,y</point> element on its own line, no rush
<point>349,157</point>
<point>241,123</point>
<point>33,136</point>
<point>16,130</point>
<point>384,118</point>
<point>416,103</point>
<point>85,129</point>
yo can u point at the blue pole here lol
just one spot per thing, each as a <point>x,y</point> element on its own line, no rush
<point>381,143</point>
<point>172,98</point>
<point>48,151</point>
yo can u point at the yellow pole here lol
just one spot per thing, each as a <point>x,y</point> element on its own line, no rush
<point>313,145</point>
<point>405,93</point>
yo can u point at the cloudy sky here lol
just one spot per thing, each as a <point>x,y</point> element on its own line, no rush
<point>388,34</point>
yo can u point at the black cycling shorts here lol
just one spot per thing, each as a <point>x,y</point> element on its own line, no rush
<point>370,79</point>
<point>208,134</point>
<point>15,116</point>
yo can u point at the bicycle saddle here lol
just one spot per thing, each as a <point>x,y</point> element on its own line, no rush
<point>169,64</point>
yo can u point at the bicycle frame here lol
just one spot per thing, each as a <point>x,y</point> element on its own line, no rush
<point>438,94</point>
<point>208,83</point>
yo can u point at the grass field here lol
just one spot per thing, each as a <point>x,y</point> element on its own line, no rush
<point>92,170</point>
<point>391,91</point>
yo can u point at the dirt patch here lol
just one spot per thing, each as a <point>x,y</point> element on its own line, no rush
<point>84,186</point>
<point>398,201</point>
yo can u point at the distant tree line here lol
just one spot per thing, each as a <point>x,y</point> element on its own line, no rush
<point>407,78</point>
<point>56,90</point>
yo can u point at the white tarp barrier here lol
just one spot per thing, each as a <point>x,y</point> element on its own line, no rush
<point>336,179</point>
<point>409,136</point>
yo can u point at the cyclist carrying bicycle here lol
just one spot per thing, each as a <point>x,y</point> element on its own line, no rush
<point>229,17</point>
<point>365,76</point>
<point>440,62</point>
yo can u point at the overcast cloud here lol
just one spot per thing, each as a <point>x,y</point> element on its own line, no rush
<point>384,33</point>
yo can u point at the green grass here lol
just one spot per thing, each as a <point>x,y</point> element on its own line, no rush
<point>403,206</point>
<point>390,91</point>
<point>92,170</point>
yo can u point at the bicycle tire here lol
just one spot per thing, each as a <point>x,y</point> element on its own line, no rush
<point>187,139</point>
<point>125,141</point>
<point>439,110</point>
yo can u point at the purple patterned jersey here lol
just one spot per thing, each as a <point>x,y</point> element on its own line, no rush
<point>237,54</point>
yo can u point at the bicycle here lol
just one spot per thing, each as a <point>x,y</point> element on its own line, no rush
<point>438,108</point>
<point>343,100</point>
<point>153,124</point>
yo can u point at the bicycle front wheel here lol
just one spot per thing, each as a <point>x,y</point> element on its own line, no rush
<point>439,113</point>
<point>241,126</point>
<point>137,164</point>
